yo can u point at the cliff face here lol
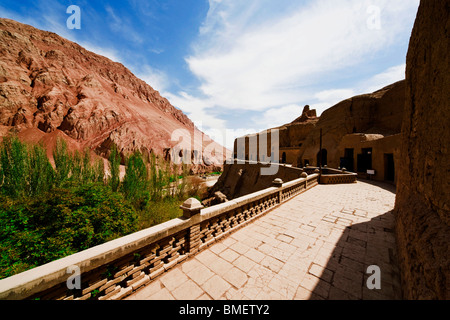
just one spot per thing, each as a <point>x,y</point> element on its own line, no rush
<point>376,113</point>
<point>422,204</point>
<point>49,85</point>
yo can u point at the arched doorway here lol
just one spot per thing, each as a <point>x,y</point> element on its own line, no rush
<point>324,154</point>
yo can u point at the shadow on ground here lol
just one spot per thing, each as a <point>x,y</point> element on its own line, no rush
<point>382,184</point>
<point>360,246</point>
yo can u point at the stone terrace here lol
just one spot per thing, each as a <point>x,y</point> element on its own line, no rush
<point>316,246</point>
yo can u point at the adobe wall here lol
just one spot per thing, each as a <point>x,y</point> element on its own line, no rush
<point>422,204</point>
<point>380,147</point>
<point>380,112</point>
<point>291,155</point>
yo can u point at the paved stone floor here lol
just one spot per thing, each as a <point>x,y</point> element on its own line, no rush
<point>317,245</point>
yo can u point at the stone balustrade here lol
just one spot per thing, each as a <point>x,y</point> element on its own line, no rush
<point>337,176</point>
<point>113,270</point>
<point>333,176</point>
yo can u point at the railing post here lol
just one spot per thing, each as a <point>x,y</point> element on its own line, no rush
<point>278,183</point>
<point>191,209</point>
<point>305,175</point>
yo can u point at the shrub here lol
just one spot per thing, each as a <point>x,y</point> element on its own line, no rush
<point>36,231</point>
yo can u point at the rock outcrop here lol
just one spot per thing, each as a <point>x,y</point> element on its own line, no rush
<point>423,199</point>
<point>307,114</point>
<point>240,179</point>
<point>378,113</point>
<point>368,123</point>
<point>54,85</point>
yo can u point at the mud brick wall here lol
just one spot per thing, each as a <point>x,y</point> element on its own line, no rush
<point>422,204</point>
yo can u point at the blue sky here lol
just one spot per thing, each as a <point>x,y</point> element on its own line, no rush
<point>234,66</point>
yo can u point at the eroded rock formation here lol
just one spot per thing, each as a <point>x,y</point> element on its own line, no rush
<point>374,116</point>
<point>368,123</point>
<point>50,84</point>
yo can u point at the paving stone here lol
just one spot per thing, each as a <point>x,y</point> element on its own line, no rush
<point>200,274</point>
<point>244,263</point>
<point>228,241</point>
<point>190,265</point>
<point>204,297</point>
<point>236,277</point>
<point>206,257</point>
<point>309,282</point>
<point>187,291</point>
<point>229,255</point>
<point>283,286</point>
<point>173,279</point>
<point>302,294</point>
<point>216,287</point>
<point>315,246</point>
<point>218,248</point>
<point>234,294</point>
<point>284,238</point>
<point>220,266</point>
<point>321,272</point>
<point>162,294</point>
<point>240,248</point>
<point>272,263</point>
<point>147,291</point>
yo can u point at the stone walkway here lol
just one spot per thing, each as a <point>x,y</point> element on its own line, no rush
<point>316,246</point>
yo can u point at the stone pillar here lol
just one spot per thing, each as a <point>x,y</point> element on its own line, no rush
<point>305,176</point>
<point>191,210</point>
<point>278,183</point>
<point>191,207</point>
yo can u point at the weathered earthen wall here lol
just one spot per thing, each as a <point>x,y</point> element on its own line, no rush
<point>238,180</point>
<point>422,204</point>
<point>377,113</point>
<point>380,147</point>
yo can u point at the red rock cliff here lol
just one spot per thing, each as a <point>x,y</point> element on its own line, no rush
<point>52,86</point>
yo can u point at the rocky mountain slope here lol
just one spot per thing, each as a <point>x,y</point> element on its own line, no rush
<point>51,87</point>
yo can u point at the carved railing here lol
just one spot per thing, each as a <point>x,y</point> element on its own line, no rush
<point>333,176</point>
<point>116,269</point>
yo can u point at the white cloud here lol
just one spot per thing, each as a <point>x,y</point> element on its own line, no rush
<point>258,65</point>
<point>199,110</point>
<point>328,98</point>
<point>273,57</point>
<point>155,78</point>
<point>109,53</point>
<point>385,78</point>
<point>276,117</point>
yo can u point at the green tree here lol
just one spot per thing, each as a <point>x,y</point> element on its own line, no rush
<point>63,162</point>
<point>14,163</point>
<point>114,168</point>
<point>99,171</point>
<point>40,172</point>
<point>35,231</point>
<point>135,183</point>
